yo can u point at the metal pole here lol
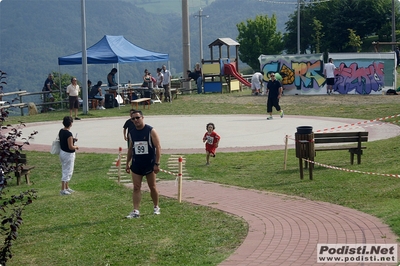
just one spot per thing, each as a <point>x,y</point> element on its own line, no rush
<point>393,26</point>
<point>298,26</point>
<point>185,38</point>
<point>200,16</point>
<point>84,62</point>
<point>201,34</point>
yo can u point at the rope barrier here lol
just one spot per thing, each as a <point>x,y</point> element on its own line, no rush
<point>168,172</point>
<point>349,170</point>
<point>358,123</point>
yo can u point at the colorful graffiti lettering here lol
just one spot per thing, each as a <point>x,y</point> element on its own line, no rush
<point>305,74</point>
<point>363,80</point>
<point>300,73</point>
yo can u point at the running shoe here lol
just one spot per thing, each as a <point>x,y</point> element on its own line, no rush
<point>270,118</point>
<point>157,210</point>
<point>64,192</point>
<point>70,190</point>
<point>134,214</point>
<point>281,113</point>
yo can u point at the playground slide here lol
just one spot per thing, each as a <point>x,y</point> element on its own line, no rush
<point>230,69</point>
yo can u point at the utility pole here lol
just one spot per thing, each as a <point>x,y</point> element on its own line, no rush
<point>393,27</point>
<point>298,26</point>
<point>200,16</point>
<point>185,39</point>
<point>84,61</point>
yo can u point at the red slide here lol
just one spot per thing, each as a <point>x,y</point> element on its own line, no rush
<point>230,69</point>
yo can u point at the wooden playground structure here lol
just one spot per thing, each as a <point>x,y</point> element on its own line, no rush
<point>222,71</point>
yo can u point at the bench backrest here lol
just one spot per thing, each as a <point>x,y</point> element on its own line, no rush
<point>22,158</point>
<point>339,137</point>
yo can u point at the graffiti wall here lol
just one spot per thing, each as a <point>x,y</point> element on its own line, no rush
<point>355,73</point>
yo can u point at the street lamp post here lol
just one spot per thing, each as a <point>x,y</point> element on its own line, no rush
<point>200,16</point>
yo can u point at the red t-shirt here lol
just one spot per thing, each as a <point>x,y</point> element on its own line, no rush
<point>211,139</point>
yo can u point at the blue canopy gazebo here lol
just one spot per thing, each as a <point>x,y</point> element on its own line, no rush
<point>113,50</point>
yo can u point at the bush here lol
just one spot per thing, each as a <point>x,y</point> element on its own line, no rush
<point>12,206</point>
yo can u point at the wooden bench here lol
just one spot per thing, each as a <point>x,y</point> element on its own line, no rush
<point>23,169</point>
<point>141,100</point>
<point>342,137</point>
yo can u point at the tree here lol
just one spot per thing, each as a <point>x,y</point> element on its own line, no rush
<point>366,17</point>
<point>354,41</point>
<point>317,35</point>
<point>257,37</point>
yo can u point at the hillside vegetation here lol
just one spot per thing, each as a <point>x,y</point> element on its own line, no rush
<point>33,34</point>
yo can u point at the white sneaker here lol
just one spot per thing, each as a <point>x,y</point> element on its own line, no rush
<point>70,190</point>
<point>134,214</point>
<point>157,210</point>
<point>270,118</point>
<point>64,192</point>
<point>102,108</point>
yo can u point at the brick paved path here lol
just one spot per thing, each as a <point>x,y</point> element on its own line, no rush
<point>283,230</point>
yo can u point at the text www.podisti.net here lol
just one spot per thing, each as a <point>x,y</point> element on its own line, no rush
<point>356,253</point>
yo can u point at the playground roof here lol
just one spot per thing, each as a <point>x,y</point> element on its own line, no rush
<point>224,41</point>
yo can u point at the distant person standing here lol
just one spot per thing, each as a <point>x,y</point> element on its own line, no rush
<point>146,79</point>
<point>112,84</point>
<point>256,83</point>
<point>111,79</point>
<point>73,93</point>
<point>329,72</point>
<point>143,159</point>
<point>199,80</point>
<point>159,81</point>
<point>67,155</point>
<point>48,87</point>
<point>274,90</point>
<point>397,56</point>
<point>166,83</point>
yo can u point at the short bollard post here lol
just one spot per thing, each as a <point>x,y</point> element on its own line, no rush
<point>180,180</point>
<point>119,164</point>
<point>286,151</point>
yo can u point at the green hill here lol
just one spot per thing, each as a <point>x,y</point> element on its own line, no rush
<point>34,33</point>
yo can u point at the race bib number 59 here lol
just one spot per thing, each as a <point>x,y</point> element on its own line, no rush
<point>141,147</point>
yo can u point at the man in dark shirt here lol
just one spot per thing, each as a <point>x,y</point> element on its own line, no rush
<point>274,90</point>
<point>95,93</point>
<point>143,159</point>
<point>192,75</point>
<point>47,87</point>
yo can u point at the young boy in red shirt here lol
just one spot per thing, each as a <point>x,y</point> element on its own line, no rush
<point>211,138</point>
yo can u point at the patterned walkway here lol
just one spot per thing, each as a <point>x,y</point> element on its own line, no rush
<point>283,230</point>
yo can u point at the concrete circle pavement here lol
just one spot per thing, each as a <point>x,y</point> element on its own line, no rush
<point>183,134</point>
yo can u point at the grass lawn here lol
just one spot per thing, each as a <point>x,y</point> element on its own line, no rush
<point>89,228</point>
